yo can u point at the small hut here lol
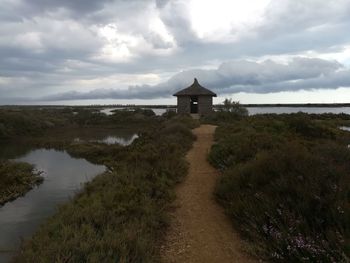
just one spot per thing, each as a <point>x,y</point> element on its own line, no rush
<point>195,99</point>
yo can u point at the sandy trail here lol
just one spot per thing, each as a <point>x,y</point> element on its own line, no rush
<point>200,231</point>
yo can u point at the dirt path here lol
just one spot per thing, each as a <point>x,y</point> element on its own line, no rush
<point>200,231</point>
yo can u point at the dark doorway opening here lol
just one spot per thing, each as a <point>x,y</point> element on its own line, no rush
<point>194,104</point>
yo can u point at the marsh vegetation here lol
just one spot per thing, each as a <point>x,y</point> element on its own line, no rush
<point>286,184</point>
<point>16,178</point>
<point>23,129</point>
<point>122,213</point>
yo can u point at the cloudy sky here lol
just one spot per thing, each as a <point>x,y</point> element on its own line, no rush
<point>142,51</point>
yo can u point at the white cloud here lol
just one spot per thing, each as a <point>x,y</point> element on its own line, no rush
<point>50,47</point>
<point>225,20</point>
<point>265,77</point>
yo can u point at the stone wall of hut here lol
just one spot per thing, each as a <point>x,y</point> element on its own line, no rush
<point>183,104</point>
<point>205,104</point>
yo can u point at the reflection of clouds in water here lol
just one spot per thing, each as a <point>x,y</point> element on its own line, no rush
<point>344,128</point>
<point>315,110</point>
<point>119,140</point>
<point>262,110</point>
<point>63,178</point>
<point>122,140</point>
<point>109,111</point>
<point>157,111</point>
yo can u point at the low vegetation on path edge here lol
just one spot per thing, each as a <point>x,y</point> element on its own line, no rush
<point>121,215</point>
<point>286,184</point>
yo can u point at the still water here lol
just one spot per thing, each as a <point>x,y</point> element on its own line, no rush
<point>121,139</point>
<point>280,110</point>
<point>262,110</point>
<point>124,141</point>
<point>157,111</point>
<point>63,175</point>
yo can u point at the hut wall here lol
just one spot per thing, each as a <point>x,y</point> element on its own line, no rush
<point>183,104</point>
<point>205,104</point>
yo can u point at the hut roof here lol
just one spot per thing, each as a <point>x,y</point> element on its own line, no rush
<point>195,90</point>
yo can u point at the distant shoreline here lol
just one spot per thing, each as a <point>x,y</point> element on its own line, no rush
<point>291,105</point>
<point>295,105</point>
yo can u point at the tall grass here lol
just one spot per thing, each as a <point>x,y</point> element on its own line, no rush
<point>121,215</point>
<point>16,178</point>
<point>37,121</point>
<point>286,186</point>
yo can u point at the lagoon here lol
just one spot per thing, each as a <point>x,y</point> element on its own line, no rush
<point>262,110</point>
<point>63,175</point>
<point>281,110</point>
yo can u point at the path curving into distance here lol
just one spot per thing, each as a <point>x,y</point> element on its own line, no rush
<point>200,231</point>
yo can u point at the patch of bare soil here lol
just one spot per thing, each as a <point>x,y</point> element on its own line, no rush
<point>200,231</point>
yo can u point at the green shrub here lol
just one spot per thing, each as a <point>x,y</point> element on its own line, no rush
<point>169,114</point>
<point>121,215</point>
<point>285,185</point>
<point>291,202</point>
<point>184,119</point>
<point>146,112</point>
<point>16,178</point>
<point>309,128</point>
<point>227,112</point>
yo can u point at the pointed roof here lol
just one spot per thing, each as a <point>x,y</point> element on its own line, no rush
<point>195,90</point>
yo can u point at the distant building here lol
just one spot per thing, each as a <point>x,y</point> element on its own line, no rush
<point>195,99</point>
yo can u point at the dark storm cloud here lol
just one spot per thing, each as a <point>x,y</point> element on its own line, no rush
<point>48,46</point>
<point>176,18</point>
<point>74,7</point>
<point>235,76</point>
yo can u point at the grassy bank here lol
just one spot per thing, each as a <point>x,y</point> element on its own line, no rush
<point>22,122</point>
<point>16,178</point>
<point>23,129</point>
<point>286,184</point>
<point>121,215</point>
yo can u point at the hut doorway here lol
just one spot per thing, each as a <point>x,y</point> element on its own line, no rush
<point>194,104</point>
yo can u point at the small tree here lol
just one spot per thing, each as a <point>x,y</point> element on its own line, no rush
<point>233,107</point>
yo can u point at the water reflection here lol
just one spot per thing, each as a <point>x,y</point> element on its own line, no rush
<point>109,111</point>
<point>260,110</point>
<point>64,176</point>
<point>344,128</point>
<point>14,149</point>
<point>157,111</point>
<point>315,110</point>
<point>121,140</point>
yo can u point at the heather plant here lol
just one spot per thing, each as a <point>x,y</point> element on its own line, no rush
<point>285,185</point>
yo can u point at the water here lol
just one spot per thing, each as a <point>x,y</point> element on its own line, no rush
<point>123,139</point>
<point>280,110</point>
<point>109,111</point>
<point>63,175</point>
<point>120,140</point>
<point>157,111</point>
<point>345,128</point>
<point>262,110</point>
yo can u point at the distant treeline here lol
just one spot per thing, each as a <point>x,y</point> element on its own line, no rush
<point>102,106</point>
<point>297,105</point>
<point>97,106</point>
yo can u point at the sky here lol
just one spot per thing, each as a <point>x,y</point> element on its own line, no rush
<point>143,51</point>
